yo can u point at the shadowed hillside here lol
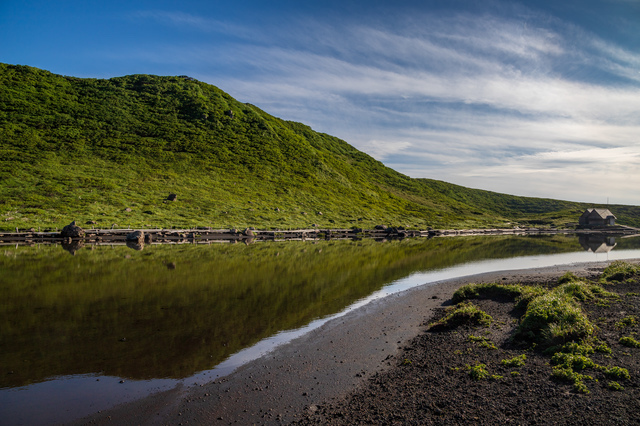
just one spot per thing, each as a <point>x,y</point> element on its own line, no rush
<point>111,151</point>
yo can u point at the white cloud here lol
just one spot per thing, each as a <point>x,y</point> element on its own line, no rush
<point>524,105</point>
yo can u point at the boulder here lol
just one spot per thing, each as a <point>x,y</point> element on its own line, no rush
<point>249,233</point>
<point>72,231</point>
<point>136,237</point>
<point>172,197</point>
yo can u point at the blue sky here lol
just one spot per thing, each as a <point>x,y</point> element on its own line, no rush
<point>536,98</point>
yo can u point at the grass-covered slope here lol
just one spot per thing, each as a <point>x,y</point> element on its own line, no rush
<point>111,151</point>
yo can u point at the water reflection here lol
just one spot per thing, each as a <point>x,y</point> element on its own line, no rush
<point>172,311</point>
<point>597,243</point>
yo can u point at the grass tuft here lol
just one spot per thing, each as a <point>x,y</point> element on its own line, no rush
<point>516,361</point>
<point>629,342</point>
<point>465,313</point>
<point>618,271</point>
<point>478,371</point>
<point>628,321</point>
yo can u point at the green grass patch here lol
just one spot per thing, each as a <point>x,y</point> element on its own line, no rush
<point>618,271</point>
<point>574,362</point>
<point>465,313</point>
<point>520,293</point>
<point>564,374</point>
<point>478,371</point>
<point>617,373</point>
<point>483,342</point>
<point>615,386</point>
<point>629,342</point>
<point>553,318</point>
<point>628,321</point>
<point>516,361</point>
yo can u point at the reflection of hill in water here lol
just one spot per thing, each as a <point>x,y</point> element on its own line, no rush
<point>597,243</point>
<point>171,311</point>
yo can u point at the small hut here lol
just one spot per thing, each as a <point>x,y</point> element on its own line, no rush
<point>597,217</point>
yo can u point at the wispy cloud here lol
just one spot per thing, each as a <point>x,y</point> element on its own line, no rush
<point>188,21</point>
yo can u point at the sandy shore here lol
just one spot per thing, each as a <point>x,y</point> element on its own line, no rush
<point>320,366</point>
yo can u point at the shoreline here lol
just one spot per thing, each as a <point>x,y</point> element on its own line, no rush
<point>320,366</point>
<point>73,235</point>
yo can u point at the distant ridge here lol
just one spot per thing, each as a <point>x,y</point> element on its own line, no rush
<point>110,151</point>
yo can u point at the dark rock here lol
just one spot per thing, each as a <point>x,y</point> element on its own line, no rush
<point>379,227</point>
<point>148,238</point>
<point>229,113</point>
<point>136,237</point>
<point>72,246</point>
<point>171,265</point>
<point>72,231</point>
<point>172,197</point>
<point>91,222</point>
<point>135,245</point>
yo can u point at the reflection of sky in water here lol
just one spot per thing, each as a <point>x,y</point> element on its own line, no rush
<point>51,401</point>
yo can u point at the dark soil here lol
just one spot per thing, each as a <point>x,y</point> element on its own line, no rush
<point>430,382</point>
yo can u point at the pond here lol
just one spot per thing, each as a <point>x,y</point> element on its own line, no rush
<point>80,333</point>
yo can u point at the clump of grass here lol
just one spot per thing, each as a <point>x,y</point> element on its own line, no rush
<point>520,293</point>
<point>582,291</point>
<point>603,348</point>
<point>576,348</point>
<point>556,317</point>
<point>615,386</point>
<point>568,277</point>
<point>629,342</point>
<point>478,371</point>
<point>483,342</point>
<point>618,271</point>
<point>617,373</point>
<point>628,321</point>
<point>465,313</point>
<point>552,318</point>
<point>566,374</point>
<point>574,362</point>
<point>572,358</point>
<point>516,361</point>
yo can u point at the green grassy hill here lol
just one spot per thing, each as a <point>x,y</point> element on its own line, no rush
<point>111,151</point>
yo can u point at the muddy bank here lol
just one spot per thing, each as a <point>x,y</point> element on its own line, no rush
<point>316,368</point>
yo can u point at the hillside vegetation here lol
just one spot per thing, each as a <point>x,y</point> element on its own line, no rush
<point>111,151</point>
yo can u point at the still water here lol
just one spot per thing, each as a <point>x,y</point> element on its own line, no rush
<point>80,333</point>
